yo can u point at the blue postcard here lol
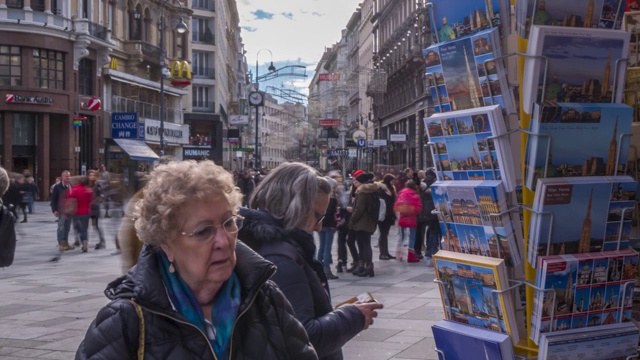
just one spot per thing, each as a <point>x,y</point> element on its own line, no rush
<point>459,341</point>
<point>466,17</point>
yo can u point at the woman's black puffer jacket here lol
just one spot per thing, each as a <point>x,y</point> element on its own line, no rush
<point>265,327</point>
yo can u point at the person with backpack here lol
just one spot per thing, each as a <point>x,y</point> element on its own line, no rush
<point>363,222</point>
<point>7,225</point>
<point>409,206</point>
<point>384,226</point>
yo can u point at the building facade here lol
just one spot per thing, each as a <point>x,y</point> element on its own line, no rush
<point>51,59</point>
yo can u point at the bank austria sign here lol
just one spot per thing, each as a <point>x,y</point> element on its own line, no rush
<point>173,133</point>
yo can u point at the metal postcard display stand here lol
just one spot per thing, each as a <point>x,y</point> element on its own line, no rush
<point>527,346</point>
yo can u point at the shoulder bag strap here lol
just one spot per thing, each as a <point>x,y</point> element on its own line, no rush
<point>141,333</point>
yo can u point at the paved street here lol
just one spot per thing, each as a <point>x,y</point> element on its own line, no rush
<point>46,307</point>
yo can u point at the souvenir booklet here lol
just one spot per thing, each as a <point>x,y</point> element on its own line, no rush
<point>582,65</point>
<point>631,24</point>
<point>583,290</point>
<point>466,17</point>
<point>587,214</point>
<point>470,292</point>
<point>604,14</point>
<point>462,151</point>
<point>460,341</point>
<point>615,341</point>
<point>632,91</point>
<point>465,222</point>
<point>466,74</point>
<point>581,140</point>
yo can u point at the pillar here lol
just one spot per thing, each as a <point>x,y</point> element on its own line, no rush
<point>44,160</point>
<point>8,143</point>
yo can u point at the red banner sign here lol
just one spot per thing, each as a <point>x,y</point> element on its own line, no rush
<point>328,77</point>
<point>329,122</point>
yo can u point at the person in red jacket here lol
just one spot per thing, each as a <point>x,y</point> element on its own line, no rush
<point>409,205</point>
<point>83,196</point>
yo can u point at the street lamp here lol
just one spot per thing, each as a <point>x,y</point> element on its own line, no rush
<point>257,153</point>
<point>181,28</point>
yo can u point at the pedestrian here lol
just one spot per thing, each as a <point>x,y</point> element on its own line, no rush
<point>342,224</point>
<point>33,188</point>
<point>26,196</point>
<point>361,222</point>
<point>54,184</point>
<point>356,267</point>
<point>7,225</point>
<point>196,292</point>
<point>390,217</point>
<point>58,204</point>
<point>96,203</point>
<point>82,195</point>
<point>105,181</point>
<point>246,185</point>
<point>286,208</point>
<point>408,205</point>
<point>12,197</point>
<point>328,231</point>
<point>433,230</point>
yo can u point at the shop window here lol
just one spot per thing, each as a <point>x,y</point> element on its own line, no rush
<point>37,5</point>
<point>48,66</point>
<point>10,66</point>
<point>24,129</point>
<point>86,75</point>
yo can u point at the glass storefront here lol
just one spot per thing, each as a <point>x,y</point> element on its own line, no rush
<point>24,149</point>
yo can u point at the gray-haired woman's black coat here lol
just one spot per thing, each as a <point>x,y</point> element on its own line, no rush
<point>301,278</point>
<point>265,327</point>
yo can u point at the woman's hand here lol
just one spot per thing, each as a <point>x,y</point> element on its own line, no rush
<point>369,312</point>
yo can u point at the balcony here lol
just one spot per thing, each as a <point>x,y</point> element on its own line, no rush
<point>203,106</point>
<point>204,72</point>
<point>203,37</point>
<point>98,31</point>
<point>85,27</point>
<point>144,110</point>
<point>151,51</point>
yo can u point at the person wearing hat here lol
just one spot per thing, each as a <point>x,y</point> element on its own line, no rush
<point>361,223</point>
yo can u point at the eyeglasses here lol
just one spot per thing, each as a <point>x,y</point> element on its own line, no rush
<point>230,226</point>
<point>320,220</point>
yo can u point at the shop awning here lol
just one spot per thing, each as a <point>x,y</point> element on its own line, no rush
<point>137,149</point>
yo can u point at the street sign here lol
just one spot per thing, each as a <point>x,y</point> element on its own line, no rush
<point>243,149</point>
<point>397,137</point>
<point>367,150</point>
<point>361,142</point>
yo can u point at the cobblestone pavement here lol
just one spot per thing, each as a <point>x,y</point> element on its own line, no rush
<point>46,307</point>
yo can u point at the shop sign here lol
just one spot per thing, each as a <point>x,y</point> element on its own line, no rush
<point>329,122</point>
<point>398,137</point>
<point>378,142</point>
<point>19,99</point>
<point>173,133</point>
<point>329,77</point>
<point>196,152</point>
<point>238,120</point>
<point>124,125</point>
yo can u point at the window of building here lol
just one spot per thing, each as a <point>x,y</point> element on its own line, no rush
<point>37,5</point>
<point>55,7</point>
<point>24,129</point>
<point>204,4</point>
<point>10,66</point>
<point>15,4</point>
<point>201,97</point>
<point>48,66</point>
<point>110,15</point>
<point>85,77</point>
<point>201,64</point>
<point>202,30</point>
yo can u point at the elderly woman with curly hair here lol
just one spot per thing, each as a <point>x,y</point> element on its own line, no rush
<point>288,205</point>
<point>196,292</point>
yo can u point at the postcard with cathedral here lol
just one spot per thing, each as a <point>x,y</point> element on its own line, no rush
<point>467,74</point>
<point>580,64</point>
<point>466,17</point>
<point>466,208</point>
<point>577,139</point>
<point>461,148</point>
<point>604,14</point>
<point>470,288</point>
<point>575,215</point>
<point>580,293</point>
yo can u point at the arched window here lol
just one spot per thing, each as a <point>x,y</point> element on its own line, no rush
<point>148,22</point>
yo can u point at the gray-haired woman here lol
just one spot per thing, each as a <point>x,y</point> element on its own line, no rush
<point>286,208</point>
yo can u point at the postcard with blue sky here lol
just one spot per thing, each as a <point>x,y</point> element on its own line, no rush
<point>464,17</point>
<point>556,277</point>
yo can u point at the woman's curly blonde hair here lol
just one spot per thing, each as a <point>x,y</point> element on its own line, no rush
<point>171,189</point>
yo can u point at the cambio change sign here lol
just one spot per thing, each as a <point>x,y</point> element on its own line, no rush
<point>124,126</point>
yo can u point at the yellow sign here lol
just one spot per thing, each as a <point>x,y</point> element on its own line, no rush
<point>177,69</point>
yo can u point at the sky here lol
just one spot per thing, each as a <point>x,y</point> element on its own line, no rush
<point>296,32</point>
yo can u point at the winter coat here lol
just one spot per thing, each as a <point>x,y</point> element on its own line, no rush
<point>12,196</point>
<point>265,327</point>
<point>427,207</point>
<point>301,278</point>
<point>409,197</point>
<point>97,200</point>
<point>7,236</point>
<point>329,220</point>
<point>84,198</point>
<point>360,219</point>
<point>246,185</point>
<point>59,197</point>
<point>389,199</point>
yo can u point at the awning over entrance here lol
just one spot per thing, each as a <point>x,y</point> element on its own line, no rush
<point>137,149</point>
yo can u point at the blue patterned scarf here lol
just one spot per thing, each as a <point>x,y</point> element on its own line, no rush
<point>223,312</point>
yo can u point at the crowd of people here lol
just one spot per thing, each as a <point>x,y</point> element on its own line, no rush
<point>225,265</point>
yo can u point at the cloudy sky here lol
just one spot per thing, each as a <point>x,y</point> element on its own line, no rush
<point>296,32</point>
